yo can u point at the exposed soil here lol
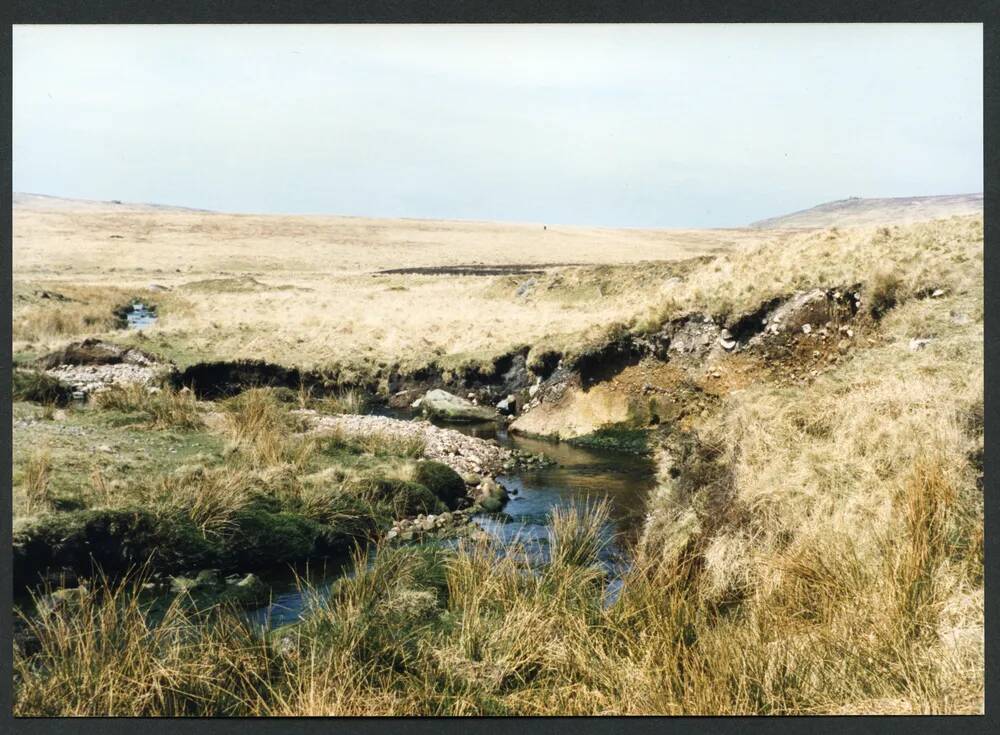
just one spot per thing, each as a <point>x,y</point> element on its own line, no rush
<point>476,270</point>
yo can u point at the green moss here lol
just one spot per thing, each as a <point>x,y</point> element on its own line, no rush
<point>113,540</point>
<point>263,538</point>
<point>617,437</point>
<point>402,498</point>
<point>344,518</point>
<point>442,480</point>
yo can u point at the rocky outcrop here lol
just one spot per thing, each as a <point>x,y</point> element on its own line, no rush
<point>804,331</point>
<point>444,406</point>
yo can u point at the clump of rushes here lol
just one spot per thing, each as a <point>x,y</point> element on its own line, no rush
<point>575,534</point>
<point>210,499</point>
<point>164,408</point>
<point>100,653</point>
<point>345,401</point>
<point>258,424</point>
<point>35,480</point>
<point>885,293</point>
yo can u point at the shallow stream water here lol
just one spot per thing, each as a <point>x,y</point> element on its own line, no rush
<point>580,476</point>
<point>140,316</point>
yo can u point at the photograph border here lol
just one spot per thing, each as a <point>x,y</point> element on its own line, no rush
<point>477,11</point>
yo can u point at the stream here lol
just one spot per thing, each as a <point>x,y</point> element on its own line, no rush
<point>580,476</point>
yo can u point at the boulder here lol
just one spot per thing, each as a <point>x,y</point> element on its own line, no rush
<point>248,592</point>
<point>445,406</point>
<point>508,405</point>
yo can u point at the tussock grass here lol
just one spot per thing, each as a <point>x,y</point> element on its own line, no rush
<point>379,444</point>
<point>261,428</point>
<point>35,481</point>
<point>101,654</point>
<point>64,320</point>
<point>346,401</point>
<point>575,534</point>
<point>429,632</point>
<point>208,498</point>
<point>164,408</point>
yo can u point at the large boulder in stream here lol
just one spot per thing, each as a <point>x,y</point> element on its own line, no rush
<point>442,405</point>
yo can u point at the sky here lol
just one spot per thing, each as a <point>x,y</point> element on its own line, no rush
<point>606,125</point>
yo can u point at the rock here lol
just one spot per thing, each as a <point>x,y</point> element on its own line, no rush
<point>448,407</point>
<point>466,455</point>
<point>105,448</point>
<point>250,591</point>
<point>937,293</point>
<point>182,584</point>
<point>471,479</point>
<point>416,403</point>
<point>491,505</point>
<point>286,645</point>
<point>525,287</point>
<point>806,328</point>
<point>918,343</point>
<point>491,495</point>
<point>208,578</point>
<point>508,405</point>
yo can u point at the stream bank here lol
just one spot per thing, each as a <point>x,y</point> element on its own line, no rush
<point>576,477</point>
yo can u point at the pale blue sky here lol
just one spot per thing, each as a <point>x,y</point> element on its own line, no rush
<point>622,125</point>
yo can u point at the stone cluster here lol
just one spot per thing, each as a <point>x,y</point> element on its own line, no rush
<point>86,379</point>
<point>464,454</point>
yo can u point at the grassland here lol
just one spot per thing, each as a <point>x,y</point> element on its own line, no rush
<point>307,290</point>
<point>814,544</point>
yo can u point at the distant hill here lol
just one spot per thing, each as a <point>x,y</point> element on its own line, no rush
<point>23,200</point>
<point>857,211</point>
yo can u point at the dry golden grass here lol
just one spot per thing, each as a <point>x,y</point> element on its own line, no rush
<point>35,481</point>
<point>852,521</point>
<point>301,289</point>
<point>165,407</point>
<point>101,655</point>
